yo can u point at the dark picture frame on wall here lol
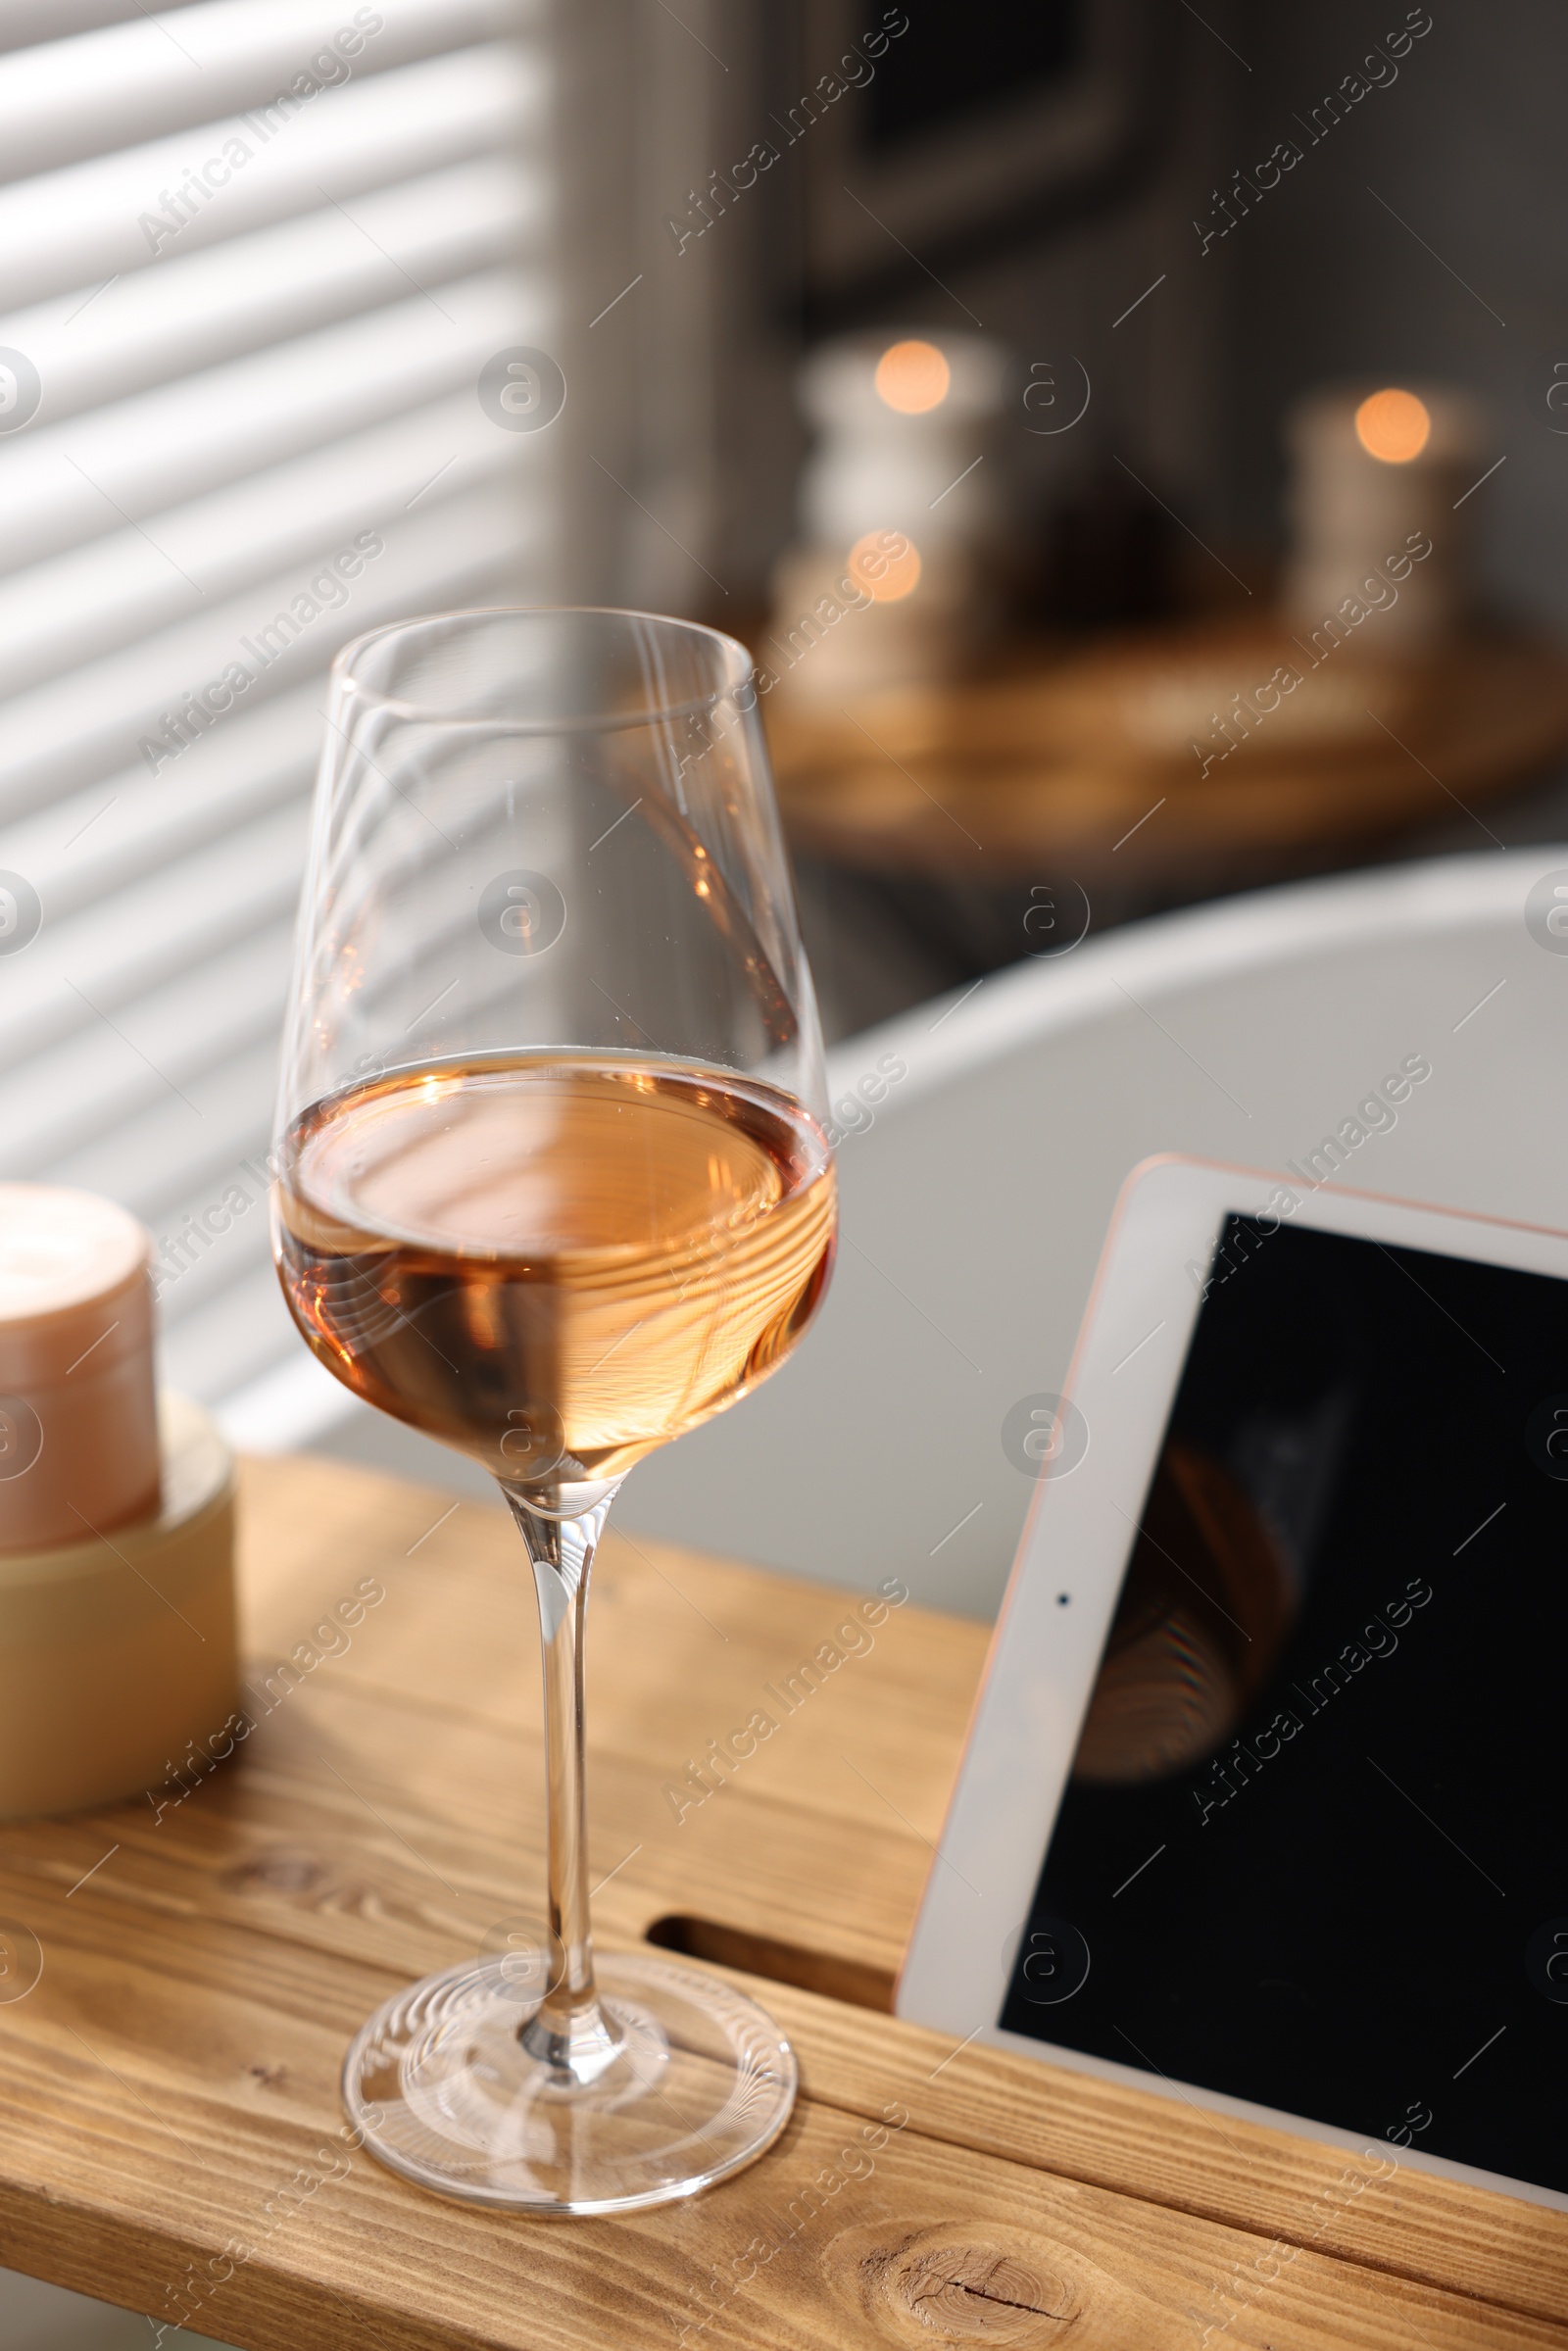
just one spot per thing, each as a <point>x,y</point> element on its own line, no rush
<point>929,137</point>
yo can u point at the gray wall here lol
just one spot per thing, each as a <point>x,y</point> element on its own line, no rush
<point>686,389</point>
<point>1318,281</point>
<point>1468,147</point>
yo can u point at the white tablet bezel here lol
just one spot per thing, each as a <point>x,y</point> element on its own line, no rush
<point>1046,1653</point>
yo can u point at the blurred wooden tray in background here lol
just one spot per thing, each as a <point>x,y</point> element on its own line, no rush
<point>1070,758</point>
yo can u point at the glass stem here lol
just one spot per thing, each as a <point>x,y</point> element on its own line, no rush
<point>570,2031</point>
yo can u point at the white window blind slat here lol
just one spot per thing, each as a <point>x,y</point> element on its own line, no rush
<point>78,225</point>
<point>25,23</point>
<point>159,1162</point>
<point>91,721</point>
<point>86,602</point>
<point>292,372</point>
<point>120,827</point>
<point>191,435</point>
<point>244,1334</point>
<point>123,1055</point>
<point>189,312</point>
<point>132,943</point>
<point>151,75</point>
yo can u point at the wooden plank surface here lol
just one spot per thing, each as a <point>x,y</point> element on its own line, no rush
<point>168,2088</point>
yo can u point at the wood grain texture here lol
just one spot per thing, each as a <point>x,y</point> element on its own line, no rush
<point>168,2084</point>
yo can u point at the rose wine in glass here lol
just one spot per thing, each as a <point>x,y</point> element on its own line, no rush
<point>625,1246</point>
<point>554,1186</point>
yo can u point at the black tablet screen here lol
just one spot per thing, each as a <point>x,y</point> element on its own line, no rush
<point>1314,1850</point>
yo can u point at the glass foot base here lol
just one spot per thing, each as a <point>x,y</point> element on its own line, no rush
<point>444,2090</point>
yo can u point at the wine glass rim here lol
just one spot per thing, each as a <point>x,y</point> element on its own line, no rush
<point>738,663</point>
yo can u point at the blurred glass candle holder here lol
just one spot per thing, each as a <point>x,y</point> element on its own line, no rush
<point>904,548</point>
<point>1379,511</point>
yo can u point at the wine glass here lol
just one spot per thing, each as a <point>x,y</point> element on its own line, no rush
<point>554,1185</point>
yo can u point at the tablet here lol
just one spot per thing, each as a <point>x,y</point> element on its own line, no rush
<point>1263,1805</point>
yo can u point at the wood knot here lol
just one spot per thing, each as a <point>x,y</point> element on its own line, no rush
<point>282,1870</point>
<point>954,2285</point>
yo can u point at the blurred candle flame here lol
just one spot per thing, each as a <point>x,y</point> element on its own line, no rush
<point>912,377</point>
<point>894,577</point>
<point>1392,426</point>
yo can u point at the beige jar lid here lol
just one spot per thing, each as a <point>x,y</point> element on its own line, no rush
<point>73,1282</point>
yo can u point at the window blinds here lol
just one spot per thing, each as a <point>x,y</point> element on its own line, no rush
<point>253,257</point>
